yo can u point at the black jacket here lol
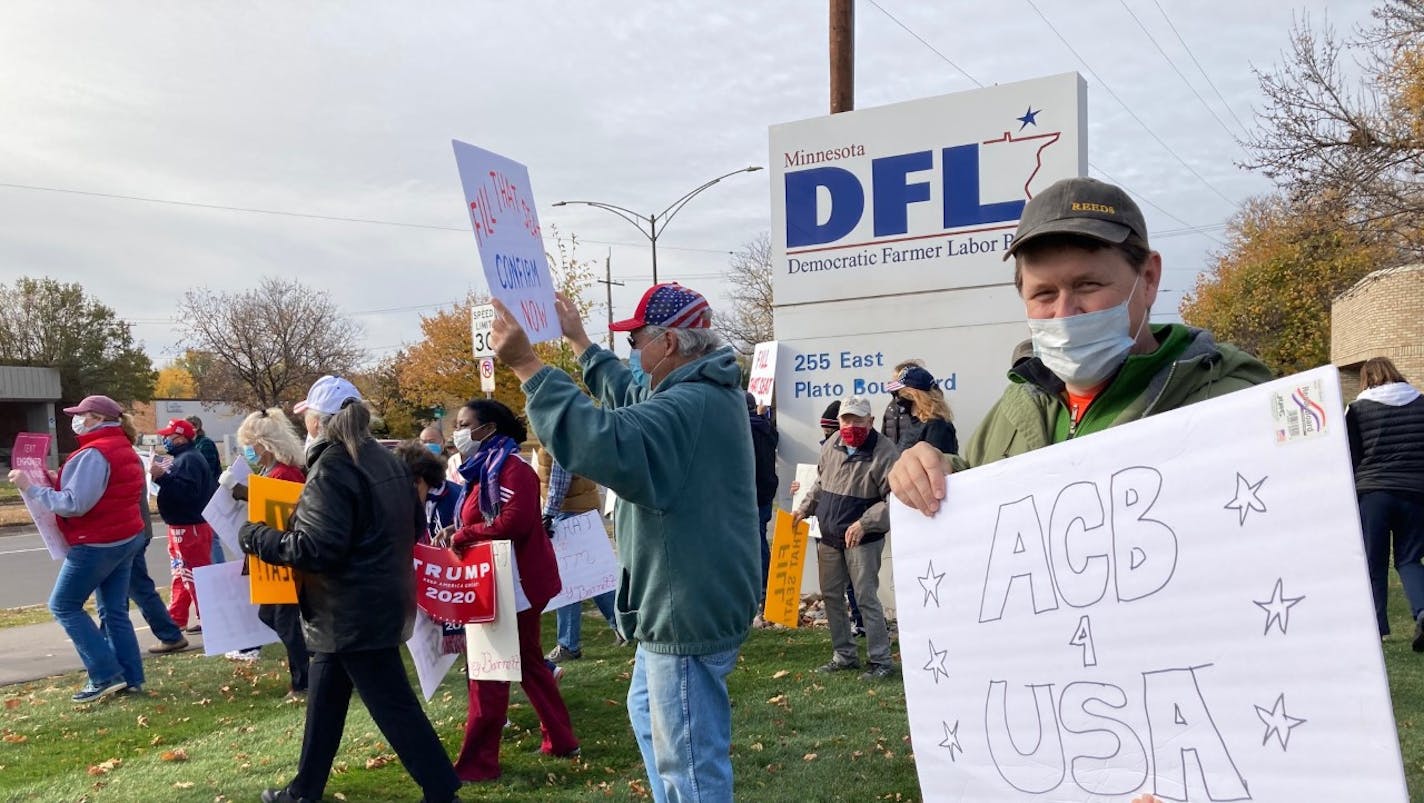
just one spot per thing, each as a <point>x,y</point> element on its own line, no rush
<point>184,490</point>
<point>351,539</point>
<point>1387,446</point>
<point>209,450</point>
<point>764,438</point>
<point>940,434</point>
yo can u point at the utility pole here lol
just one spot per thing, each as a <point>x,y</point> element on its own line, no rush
<point>842,56</point>
<point>608,282</point>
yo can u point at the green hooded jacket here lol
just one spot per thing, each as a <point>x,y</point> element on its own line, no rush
<point>1188,366</point>
<point>680,460</point>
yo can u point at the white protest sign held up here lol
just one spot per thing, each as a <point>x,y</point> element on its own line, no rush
<point>587,565</point>
<point>1173,610</point>
<point>762,383</point>
<point>225,514</point>
<point>229,618</point>
<point>431,665</point>
<point>500,203</point>
<point>481,325</point>
<point>492,650</point>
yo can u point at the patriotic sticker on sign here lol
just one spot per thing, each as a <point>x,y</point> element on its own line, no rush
<point>671,306</point>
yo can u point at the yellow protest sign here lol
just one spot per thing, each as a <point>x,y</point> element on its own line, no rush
<point>783,582</point>
<point>271,502</point>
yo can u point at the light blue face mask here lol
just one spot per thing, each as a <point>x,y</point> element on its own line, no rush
<point>635,365</point>
<point>434,448</point>
<point>1084,350</point>
<point>250,455</point>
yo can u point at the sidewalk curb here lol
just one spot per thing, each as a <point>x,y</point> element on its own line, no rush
<point>39,651</point>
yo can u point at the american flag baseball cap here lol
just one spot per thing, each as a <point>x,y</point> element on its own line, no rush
<point>671,306</point>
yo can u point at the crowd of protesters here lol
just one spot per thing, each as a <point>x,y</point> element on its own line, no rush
<point>691,458</point>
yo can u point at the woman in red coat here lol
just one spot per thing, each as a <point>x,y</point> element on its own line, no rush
<point>502,503</point>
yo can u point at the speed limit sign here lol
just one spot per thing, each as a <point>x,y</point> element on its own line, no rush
<point>487,374</point>
<point>481,325</point>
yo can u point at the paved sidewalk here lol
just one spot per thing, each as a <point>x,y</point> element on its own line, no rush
<point>32,652</point>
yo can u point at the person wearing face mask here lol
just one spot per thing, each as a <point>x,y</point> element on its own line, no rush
<point>848,499</point>
<point>433,440</point>
<point>271,448</point>
<point>502,503</point>
<point>670,438</point>
<point>185,484</point>
<point>95,501</point>
<point>830,425</point>
<point>1088,278</point>
<point>897,423</point>
<point>921,400</point>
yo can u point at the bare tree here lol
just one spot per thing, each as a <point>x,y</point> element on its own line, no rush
<point>1327,130</point>
<point>265,346</point>
<point>750,320</point>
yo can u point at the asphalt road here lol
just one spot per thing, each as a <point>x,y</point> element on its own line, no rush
<point>27,573</point>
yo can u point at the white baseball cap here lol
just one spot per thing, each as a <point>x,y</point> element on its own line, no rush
<point>855,405</point>
<point>327,395</point>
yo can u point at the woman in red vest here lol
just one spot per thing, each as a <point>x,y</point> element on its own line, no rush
<point>502,503</point>
<point>95,501</point>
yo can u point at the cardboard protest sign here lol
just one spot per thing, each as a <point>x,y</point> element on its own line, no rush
<point>271,501</point>
<point>229,618</point>
<point>587,565</point>
<point>30,454</point>
<point>806,474</point>
<point>453,589</point>
<point>1175,609</point>
<point>783,582</point>
<point>762,383</point>
<point>431,665</point>
<point>225,514</point>
<point>492,650</point>
<point>500,203</point>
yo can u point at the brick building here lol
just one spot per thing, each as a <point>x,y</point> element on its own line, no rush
<point>1381,316</point>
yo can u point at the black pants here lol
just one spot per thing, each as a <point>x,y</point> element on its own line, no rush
<point>286,620</point>
<point>379,677</point>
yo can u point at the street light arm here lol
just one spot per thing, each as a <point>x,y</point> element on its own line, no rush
<point>676,206</point>
<point>627,214</point>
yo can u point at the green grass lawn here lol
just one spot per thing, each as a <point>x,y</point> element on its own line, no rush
<point>210,730</point>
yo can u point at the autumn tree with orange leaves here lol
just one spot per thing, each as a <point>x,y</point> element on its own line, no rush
<point>440,371</point>
<point>1270,291</point>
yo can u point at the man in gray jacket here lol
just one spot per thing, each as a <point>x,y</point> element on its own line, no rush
<point>848,501</point>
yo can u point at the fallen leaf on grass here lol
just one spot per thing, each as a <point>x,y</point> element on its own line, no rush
<point>176,754</point>
<point>339,796</point>
<point>376,762</point>
<point>183,784</point>
<point>16,738</point>
<point>757,746</point>
<point>809,757</point>
<point>105,767</point>
<point>780,673</point>
<point>13,702</point>
<point>779,699</point>
<point>157,740</point>
<point>142,721</point>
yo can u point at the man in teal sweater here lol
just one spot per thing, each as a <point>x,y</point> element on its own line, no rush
<point>1088,278</point>
<point>670,438</point>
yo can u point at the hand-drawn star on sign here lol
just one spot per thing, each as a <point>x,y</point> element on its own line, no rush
<point>951,739</point>
<point>930,583</point>
<point>1278,722</point>
<point>1247,497</point>
<point>1277,608</point>
<point>935,665</point>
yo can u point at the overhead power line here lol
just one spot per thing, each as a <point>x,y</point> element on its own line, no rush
<point>1200,69</point>
<point>304,215</point>
<point>1173,65</point>
<point>1127,108</point>
<point>936,51</point>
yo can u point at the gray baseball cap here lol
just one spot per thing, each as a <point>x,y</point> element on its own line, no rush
<point>1083,206</point>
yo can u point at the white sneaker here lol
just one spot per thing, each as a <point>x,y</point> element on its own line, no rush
<point>244,655</point>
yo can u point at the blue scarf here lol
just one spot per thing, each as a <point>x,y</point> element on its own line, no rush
<point>482,468</point>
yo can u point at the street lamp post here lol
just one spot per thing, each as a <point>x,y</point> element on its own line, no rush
<point>658,222</point>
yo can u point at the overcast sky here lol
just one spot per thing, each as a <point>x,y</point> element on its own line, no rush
<point>348,109</point>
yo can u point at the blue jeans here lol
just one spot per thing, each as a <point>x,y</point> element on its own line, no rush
<point>218,556</point>
<point>143,593</point>
<point>682,718</point>
<point>104,572</point>
<point>570,620</point>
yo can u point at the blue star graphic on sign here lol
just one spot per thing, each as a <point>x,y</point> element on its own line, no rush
<point>1030,118</point>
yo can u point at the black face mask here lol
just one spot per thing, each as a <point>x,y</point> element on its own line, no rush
<point>904,404</point>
